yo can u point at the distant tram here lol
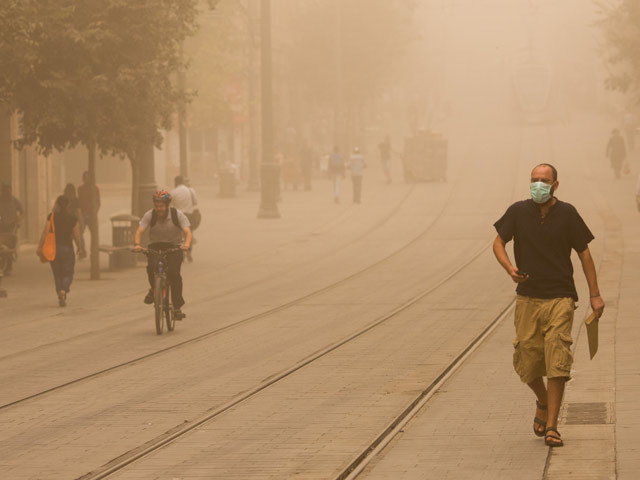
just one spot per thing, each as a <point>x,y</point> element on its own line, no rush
<point>532,82</point>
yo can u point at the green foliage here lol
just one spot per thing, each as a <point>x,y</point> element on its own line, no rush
<point>95,72</point>
<point>620,25</point>
<point>15,47</point>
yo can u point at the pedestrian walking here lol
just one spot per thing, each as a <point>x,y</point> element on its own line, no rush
<point>184,198</point>
<point>385,157</point>
<point>11,213</point>
<point>74,208</point>
<point>616,151</point>
<point>356,167</point>
<point>336,172</point>
<point>64,226</point>
<point>545,230</point>
<point>84,198</point>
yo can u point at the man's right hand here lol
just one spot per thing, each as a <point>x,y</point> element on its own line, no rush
<point>515,276</point>
<point>137,248</point>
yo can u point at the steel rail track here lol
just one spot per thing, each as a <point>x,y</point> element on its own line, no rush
<point>179,431</point>
<point>245,320</point>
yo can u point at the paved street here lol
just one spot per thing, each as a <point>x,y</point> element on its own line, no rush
<point>307,336</point>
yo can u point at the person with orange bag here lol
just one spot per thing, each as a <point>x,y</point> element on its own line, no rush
<point>56,246</point>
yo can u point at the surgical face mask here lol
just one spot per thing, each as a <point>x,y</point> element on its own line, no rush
<point>540,192</point>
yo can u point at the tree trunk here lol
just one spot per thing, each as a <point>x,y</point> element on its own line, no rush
<point>145,183</point>
<point>93,219</point>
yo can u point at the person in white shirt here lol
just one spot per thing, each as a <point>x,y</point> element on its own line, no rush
<point>184,198</point>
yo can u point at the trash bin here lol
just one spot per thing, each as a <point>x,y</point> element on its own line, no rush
<point>123,229</point>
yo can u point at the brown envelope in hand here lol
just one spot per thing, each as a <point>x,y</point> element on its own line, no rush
<point>592,334</point>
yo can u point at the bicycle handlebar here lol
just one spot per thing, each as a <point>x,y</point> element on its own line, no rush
<point>147,251</point>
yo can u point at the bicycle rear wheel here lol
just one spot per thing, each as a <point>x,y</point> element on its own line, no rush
<point>158,303</point>
<point>171,321</point>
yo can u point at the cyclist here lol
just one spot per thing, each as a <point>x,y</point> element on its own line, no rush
<point>167,226</point>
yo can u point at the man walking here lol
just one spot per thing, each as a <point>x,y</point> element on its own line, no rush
<point>84,199</point>
<point>336,169</point>
<point>616,151</point>
<point>385,157</point>
<point>545,230</point>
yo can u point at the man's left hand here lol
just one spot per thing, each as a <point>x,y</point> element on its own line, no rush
<point>185,247</point>
<point>597,304</point>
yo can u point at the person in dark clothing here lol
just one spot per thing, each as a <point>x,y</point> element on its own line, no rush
<point>385,157</point>
<point>74,208</point>
<point>545,230</point>
<point>616,151</point>
<point>66,231</point>
<point>86,204</point>
<point>11,213</point>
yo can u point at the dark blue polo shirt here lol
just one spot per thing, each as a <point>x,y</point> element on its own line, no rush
<point>542,246</point>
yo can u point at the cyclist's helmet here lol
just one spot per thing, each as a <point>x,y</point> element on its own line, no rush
<point>162,196</point>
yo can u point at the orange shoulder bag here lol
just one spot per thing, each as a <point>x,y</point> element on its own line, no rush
<point>49,245</point>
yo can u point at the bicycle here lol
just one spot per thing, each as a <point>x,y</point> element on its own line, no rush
<point>162,289</point>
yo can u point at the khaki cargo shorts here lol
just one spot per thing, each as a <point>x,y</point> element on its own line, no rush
<point>543,337</point>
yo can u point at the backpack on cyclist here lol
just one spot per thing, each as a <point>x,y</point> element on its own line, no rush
<point>174,217</point>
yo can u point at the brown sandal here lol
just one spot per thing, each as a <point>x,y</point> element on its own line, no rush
<point>556,442</point>
<point>537,421</point>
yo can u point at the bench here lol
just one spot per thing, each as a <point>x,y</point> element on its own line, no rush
<point>119,257</point>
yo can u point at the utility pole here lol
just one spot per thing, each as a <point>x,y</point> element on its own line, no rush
<point>338,113</point>
<point>269,170</point>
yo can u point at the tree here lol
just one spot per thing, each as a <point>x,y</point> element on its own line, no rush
<point>96,73</point>
<point>620,25</point>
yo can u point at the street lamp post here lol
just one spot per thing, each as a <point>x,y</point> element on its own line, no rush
<point>269,170</point>
<point>182,120</point>
<point>253,184</point>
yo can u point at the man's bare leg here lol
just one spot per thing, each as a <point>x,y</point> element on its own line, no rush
<point>540,390</point>
<point>555,393</point>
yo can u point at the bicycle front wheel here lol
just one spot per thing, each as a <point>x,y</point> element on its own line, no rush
<point>171,321</point>
<point>158,303</point>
